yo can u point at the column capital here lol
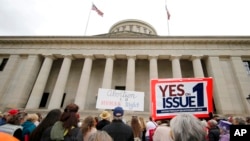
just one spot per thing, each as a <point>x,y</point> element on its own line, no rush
<point>131,56</point>
<point>110,56</point>
<point>175,57</point>
<point>49,56</point>
<point>68,56</point>
<point>89,56</point>
<point>235,56</point>
<point>196,57</point>
<point>153,57</point>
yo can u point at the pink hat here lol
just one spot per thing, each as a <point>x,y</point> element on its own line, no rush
<point>13,111</point>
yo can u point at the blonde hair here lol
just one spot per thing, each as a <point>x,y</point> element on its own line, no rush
<point>32,117</point>
<point>142,123</point>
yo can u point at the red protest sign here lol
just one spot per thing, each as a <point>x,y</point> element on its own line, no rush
<point>170,97</point>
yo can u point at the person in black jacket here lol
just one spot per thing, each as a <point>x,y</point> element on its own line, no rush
<point>105,115</point>
<point>117,129</point>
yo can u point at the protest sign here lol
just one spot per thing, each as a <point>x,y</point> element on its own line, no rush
<point>170,97</point>
<point>128,100</point>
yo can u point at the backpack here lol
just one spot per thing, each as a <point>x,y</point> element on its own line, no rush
<point>151,132</point>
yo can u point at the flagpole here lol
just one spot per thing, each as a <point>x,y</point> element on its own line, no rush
<point>167,19</point>
<point>88,20</point>
<point>168,28</point>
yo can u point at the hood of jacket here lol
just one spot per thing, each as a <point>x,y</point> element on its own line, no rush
<point>28,127</point>
<point>57,131</point>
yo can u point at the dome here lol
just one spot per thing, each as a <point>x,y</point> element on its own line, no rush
<point>132,26</point>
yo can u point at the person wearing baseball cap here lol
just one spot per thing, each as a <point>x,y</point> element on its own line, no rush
<point>117,129</point>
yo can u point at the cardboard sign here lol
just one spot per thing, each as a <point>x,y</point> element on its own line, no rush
<point>170,97</point>
<point>128,100</point>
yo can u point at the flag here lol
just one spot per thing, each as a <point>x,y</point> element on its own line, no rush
<point>99,12</point>
<point>168,14</point>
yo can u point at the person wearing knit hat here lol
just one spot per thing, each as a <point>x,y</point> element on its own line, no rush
<point>13,124</point>
<point>224,130</point>
<point>105,115</point>
<point>13,111</point>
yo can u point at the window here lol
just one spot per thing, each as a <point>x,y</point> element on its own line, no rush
<point>120,87</point>
<point>62,102</point>
<point>4,62</point>
<point>44,100</point>
<point>247,66</point>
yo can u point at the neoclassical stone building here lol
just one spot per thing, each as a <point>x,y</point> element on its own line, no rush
<point>46,72</point>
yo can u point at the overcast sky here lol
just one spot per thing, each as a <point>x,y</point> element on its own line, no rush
<point>69,17</point>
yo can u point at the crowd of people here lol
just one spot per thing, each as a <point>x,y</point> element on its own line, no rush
<point>66,125</point>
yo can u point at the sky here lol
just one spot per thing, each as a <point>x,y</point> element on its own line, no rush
<point>75,17</point>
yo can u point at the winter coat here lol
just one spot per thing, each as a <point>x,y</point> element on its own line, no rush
<point>214,134</point>
<point>101,124</point>
<point>58,133</point>
<point>119,131</point>
<point>28,127</point>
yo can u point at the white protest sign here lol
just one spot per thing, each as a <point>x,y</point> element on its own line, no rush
<point>128,100</point>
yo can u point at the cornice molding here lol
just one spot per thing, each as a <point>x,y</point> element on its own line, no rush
<point>139,40</point>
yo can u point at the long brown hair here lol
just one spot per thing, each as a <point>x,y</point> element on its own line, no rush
<point>136,127</point>
<point>87,124</point>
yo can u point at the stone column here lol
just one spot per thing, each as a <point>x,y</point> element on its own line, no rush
<point>7,74</point>
<point>153,74</point>
<point>220,95</point>
<point>197,66</point>
<point>153,68</point>
<point>82,90</point>
<point>130,79</point>
<point>242,80</point>
<point>176,67</point>
<point>23,83</point>
<point>57,95</point>
<point>41,81</point>
<point>108,73</point>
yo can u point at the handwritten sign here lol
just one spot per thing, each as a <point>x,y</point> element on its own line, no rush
<point>129,100</point>
<point>187,95</point>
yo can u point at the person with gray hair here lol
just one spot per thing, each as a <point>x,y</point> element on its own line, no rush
<point>100,136</point>
<point>238,121</point>
<point>186,127</point>
<point>213,130</point>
